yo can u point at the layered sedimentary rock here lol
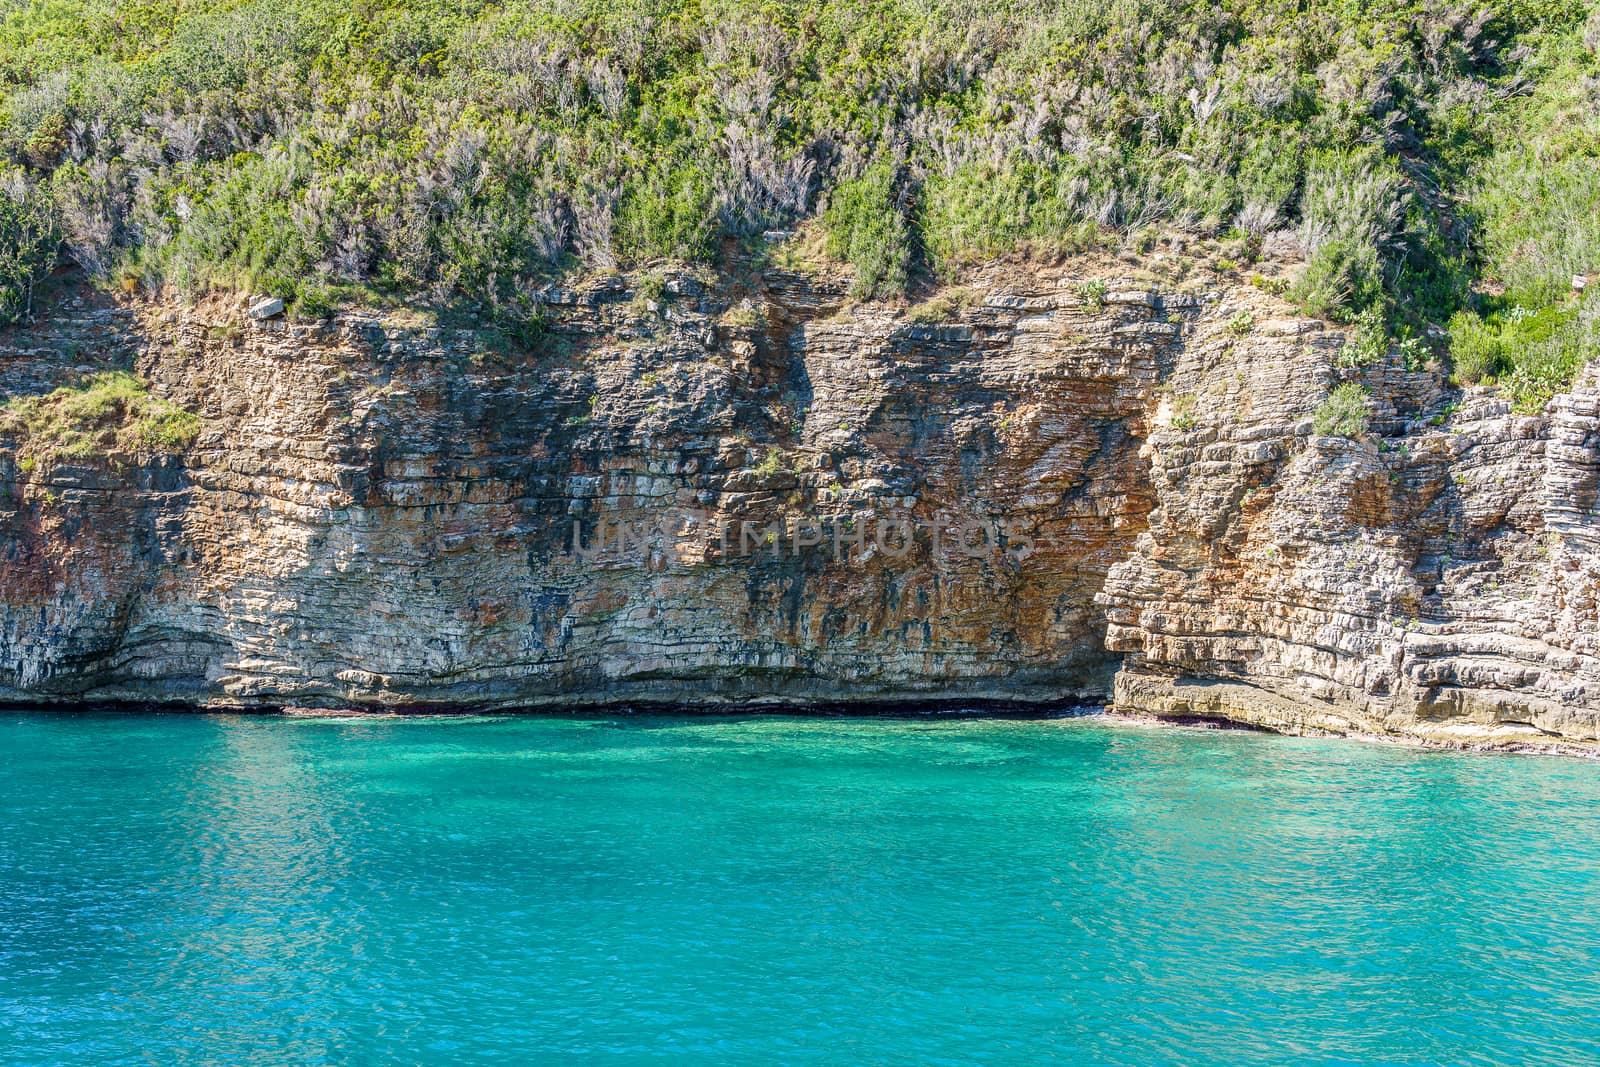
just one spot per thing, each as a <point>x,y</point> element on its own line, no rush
<point>387,513</point>
<point>1066,488</point>
<point>1435,579</point>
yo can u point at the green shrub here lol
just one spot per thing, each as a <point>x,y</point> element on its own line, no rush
<point>1184,416</point>
<point>648,293</point>
<point>979,210</point>
<point>1351,197</point>
<point>245,233</point>
<point>1476,350</point>
<point>518,314</point>
<point>1541,221</point>
<point>1368,341</point>
<point>104,415</point>
<point>1270,172</point>
<point>1344,413</point>
<point>770,464</point>
<point>1415,353</point>
<point>1092,293</point>
<point>1546,350</point>
<point>1532,354</point>
<point>866,228</point>
<point>1341,280</point>
<point>314,302</point>
<point>667,214</point>
<point>29,240</point>
<point>747,315</point>
<point>162,427</point>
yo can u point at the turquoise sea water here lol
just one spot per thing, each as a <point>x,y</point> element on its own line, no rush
<point>229,890</point>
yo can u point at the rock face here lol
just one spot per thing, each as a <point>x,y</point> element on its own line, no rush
<point>1057,492</point>
<point>1437,580</point>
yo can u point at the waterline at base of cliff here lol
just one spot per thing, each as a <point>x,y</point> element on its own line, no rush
<point>1205,705</point>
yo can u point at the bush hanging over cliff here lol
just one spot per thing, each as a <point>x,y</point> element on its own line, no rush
<point>867,229</point>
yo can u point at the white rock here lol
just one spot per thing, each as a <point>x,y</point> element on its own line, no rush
<point>267,307</point>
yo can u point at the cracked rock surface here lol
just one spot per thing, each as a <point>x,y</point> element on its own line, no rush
<point>704,499</point>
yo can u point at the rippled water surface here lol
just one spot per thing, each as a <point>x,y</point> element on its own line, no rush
<point>252,890</point>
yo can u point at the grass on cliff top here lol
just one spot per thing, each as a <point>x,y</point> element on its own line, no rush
<point>1420,154</point>
<point>108,413</point>
<point>1532,353</point>
<point>432,147</point>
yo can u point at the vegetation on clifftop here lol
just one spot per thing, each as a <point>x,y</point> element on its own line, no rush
<point>1428,157</point>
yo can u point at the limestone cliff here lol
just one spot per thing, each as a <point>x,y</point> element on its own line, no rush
<point>1056,489</point>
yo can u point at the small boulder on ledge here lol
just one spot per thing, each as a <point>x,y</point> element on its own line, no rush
<point>265,308</point>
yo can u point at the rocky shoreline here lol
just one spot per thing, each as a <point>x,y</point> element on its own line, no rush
<point>1506,739</point>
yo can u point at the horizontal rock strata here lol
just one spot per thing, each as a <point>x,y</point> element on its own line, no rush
<point>1110,491</point>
